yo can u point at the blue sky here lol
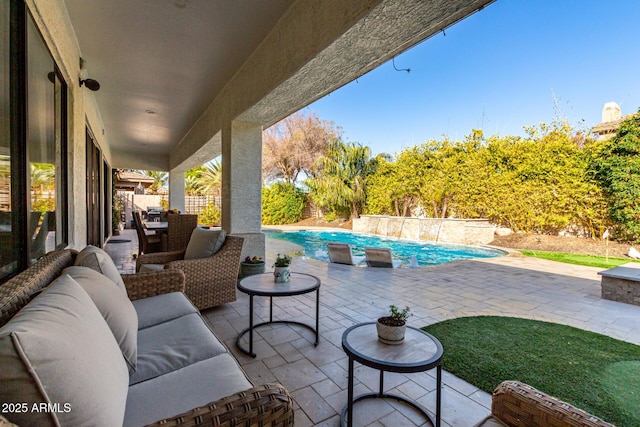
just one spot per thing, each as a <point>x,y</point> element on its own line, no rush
<point>516,63</point>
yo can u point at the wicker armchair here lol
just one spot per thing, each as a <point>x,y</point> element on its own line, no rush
<point>517,404</point>
<point>208,281</point>
<point>179,228</point>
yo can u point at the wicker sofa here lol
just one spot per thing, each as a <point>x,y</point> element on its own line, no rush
<point>182,375</point>
<point>515,404</point>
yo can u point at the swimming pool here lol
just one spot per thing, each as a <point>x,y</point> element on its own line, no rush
<point>427,254</point>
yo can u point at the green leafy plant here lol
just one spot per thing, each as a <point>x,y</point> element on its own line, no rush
<point>282,203</point>
<point>210,215</point>
<point>282,261</point>
<point>399,315</point>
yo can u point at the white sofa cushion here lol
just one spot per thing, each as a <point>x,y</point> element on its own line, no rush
<point>170,346</point>
<point>204,243</point>
<point>100,261</point>
<point>59,349</point>
<point>115,307</point>
<point>165,396</point>
<point>162,308</point>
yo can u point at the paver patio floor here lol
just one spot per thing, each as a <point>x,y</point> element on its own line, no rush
<point>317,376</point>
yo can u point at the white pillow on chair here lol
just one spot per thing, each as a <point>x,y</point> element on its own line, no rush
<point>204,243</point>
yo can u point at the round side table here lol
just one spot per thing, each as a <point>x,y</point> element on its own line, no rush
<point>418,352</point>
<point>263,285</point>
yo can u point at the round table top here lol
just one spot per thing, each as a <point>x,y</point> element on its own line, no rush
<point>264,285</point>
<point>419,351</point>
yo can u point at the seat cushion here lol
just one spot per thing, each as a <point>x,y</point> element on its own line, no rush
<point>165,396</point>
<point>115,307</point>
<point>204,243</point>
<point>150,268</point>
<point>172,345</point>
<point>100,261</point>
<point>59,349</point>
<point>162,308</point>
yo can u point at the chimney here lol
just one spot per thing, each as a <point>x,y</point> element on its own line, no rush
<point>611,112</point>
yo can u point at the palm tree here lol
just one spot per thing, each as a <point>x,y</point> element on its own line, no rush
<point>341,176</point>
<point>159,179</point>
<point>210,181</point>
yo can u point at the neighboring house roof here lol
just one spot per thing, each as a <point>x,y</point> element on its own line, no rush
<point>131,179</point>
<point>608,128</point>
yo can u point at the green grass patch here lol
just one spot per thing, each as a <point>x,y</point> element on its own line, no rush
<point>594,372</point>
<point>588,260</point>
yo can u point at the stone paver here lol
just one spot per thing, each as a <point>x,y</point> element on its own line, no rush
<point>317,376</point>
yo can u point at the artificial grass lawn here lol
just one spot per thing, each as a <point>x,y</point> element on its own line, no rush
<point>588,260</point>
<point>591,371</point>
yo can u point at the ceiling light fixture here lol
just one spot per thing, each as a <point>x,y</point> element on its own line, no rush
<point>90,84</point>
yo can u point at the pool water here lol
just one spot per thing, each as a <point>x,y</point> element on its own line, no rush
<point>427,254</point>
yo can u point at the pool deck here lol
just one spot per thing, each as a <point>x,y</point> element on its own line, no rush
<point>317,376</point>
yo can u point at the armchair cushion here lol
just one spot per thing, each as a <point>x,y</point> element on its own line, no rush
<point>204,243</point>
<point>100,261</point>
<point>115,307</point>
<point>59,349</point>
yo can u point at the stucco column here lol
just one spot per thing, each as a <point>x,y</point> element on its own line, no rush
<point>242,184</point>
<point>176,190</point>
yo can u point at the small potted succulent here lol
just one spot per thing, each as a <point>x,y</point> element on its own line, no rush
<point>391,328</point>
<point>282,269</point>
<point>251,265</point>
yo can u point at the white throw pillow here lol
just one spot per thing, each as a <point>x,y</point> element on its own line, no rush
<point>100,261</point>
<point>59,350</point>
<point>204,243</point>
<point>114,306</point>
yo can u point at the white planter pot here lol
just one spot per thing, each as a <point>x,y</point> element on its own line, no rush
<point>281,274</point>
<point>393,335</point>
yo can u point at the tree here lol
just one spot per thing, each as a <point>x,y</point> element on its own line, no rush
<point>291,146</point>
<point>204,179</point>
<point>159,179</point>
<point>339,183</point>
<point>617,168</point>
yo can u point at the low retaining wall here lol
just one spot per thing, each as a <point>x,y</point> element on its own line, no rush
<point>465,231</point>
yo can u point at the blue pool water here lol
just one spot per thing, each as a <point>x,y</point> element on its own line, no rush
<point>427,254</point>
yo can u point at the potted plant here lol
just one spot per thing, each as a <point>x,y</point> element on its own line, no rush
<point>281,269</point>
<point>391,328</point>
<point>251,265</point>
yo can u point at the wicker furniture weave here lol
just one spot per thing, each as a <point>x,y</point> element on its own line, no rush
<point>519,405</point>
<point>179,229</point>
<point>259,406</point>
<point>208,281</point>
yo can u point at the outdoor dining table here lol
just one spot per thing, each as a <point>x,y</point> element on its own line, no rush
<point>156,225</point>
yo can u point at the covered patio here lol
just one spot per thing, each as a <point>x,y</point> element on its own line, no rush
<point>317,376</point>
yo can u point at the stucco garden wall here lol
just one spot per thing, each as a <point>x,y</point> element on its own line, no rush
<point>464,231</point>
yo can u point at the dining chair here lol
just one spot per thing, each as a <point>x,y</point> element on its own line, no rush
<point>147,243</point>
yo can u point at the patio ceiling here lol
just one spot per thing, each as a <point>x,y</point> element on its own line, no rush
<point>161,62</point>
<point>172,72</point>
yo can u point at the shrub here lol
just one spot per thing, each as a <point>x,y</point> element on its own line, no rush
<point>210,215</point>
<point>282,203</point>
